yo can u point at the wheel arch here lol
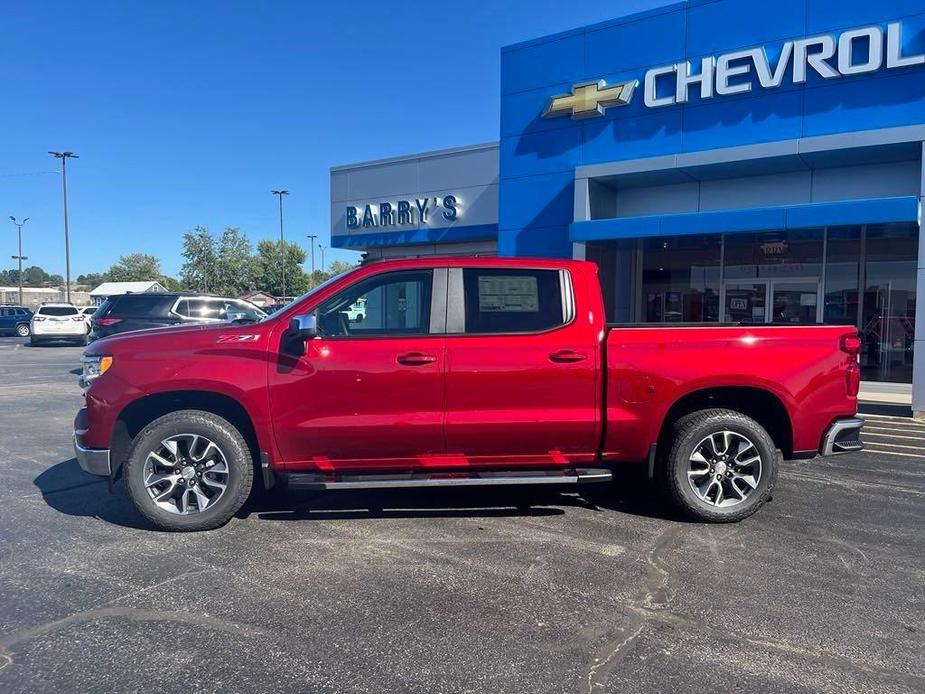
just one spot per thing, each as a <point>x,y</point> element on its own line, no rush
<point>135,416</point>
<point>762,405</point>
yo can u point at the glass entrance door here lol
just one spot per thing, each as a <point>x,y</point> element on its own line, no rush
<point>772,301</point>
<point>745,301</point>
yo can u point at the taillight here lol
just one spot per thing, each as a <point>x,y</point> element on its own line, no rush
<point>77,318</point>
<point>105,322</point>
<point>851,344</point>
<point>38,319</point>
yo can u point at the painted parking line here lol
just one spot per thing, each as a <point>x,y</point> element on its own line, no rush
<point>882,451</point>
<point>873,432</point>
<point>898,445</point>
<point>893,426</point>
<point>884,419</point>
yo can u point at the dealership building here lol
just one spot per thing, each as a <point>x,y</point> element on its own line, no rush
<point>720,160</point>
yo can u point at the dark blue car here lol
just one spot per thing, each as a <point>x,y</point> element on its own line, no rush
<point>14,320</point>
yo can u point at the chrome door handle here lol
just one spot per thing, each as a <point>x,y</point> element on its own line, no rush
<point>416,359</point>
<point>567,356</point>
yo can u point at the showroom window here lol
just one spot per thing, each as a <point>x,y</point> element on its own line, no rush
<point>857,275</point>
<point>681,278</point>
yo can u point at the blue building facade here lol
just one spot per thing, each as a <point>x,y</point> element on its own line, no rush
<point>726,160</point>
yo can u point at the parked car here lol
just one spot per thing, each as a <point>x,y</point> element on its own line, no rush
<point>58,322</point>
<point>14,320</point>
<point>128,312</point>
<point>470,371</point>
<point>87,313</point>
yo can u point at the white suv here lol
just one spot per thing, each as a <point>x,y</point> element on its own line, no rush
<point>58,322</point>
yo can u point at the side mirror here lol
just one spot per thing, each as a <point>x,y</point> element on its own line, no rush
<point>305,326</point>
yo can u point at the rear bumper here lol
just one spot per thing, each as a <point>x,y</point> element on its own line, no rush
<point>842,436</point>
<point>93,460</point>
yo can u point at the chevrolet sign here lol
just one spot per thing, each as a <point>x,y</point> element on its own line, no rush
<point>853,52</point>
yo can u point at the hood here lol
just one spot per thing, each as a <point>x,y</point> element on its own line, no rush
<point>174,337</point>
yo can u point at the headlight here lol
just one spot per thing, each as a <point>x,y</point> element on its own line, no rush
<point>94,367</point>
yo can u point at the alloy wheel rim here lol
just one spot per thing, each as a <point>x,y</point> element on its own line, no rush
<point>186,474</point>
<point>724,469</point>
<point>23,330</point>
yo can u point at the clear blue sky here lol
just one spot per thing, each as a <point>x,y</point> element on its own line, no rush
<point>187,113</point>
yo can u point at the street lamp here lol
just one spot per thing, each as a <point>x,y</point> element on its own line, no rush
<point>322,256</point>
<point>20,257</point>
<point>282,261</point>
<point>64,156</point>
<point>311,245</point>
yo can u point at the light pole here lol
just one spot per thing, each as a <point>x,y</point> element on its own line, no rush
<point>64,156</point>
<point>20,257</point>
<point>322,256</point>
<point>311,246</point>
<point>282,260</point>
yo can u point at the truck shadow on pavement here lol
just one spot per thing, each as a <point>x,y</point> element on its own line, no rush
<point>630,492</point>
<point>69,490</point>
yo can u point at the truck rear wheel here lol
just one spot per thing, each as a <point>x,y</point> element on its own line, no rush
<point>189,470</point>
<point>721,465</point>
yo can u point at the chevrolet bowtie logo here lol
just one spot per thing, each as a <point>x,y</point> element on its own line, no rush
<point>590,99</point>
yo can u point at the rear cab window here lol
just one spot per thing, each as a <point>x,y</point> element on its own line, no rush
<point>514,300</point>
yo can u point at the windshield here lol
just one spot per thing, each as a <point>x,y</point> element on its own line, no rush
<point>307,294</point>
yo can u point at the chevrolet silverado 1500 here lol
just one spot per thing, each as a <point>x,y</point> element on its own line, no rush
<point>460,371</point>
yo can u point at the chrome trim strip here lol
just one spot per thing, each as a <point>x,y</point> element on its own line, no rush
<point>828,442</point>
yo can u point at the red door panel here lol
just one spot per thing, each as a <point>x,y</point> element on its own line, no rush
<point>365,403</point>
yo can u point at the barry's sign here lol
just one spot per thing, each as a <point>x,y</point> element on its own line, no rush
<point>402,212</point>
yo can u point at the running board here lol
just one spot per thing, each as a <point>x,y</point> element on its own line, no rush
<point>473,479</point>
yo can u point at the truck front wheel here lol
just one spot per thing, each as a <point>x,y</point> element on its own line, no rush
<point>721,465</point>
<point>189,470</point>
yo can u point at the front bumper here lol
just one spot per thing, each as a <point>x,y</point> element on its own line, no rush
<point>842,436</point>
<point>93,460</point>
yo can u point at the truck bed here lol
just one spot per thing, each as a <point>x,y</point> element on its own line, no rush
<point>651,368</point>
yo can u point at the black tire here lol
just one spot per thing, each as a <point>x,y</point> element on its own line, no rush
<point>233,448</point>
<point>82,341</point>
<point>23,330</point>
<point>33,341</point>
<point>691,430</point>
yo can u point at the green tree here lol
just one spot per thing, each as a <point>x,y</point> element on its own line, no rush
<point>92,279</point>
<point>136,267</point>
<point>267,268</point>
<point>234,266</point>
<point>339,267</point>
<point>200,251</point>
<point>34,276</point>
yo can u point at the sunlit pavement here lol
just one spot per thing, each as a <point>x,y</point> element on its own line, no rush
<point>454,591</point>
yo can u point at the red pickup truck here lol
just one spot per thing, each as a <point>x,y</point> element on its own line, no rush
<point>459,371</point>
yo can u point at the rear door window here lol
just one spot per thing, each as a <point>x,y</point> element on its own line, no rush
<point>140,306</point>
<point>512,300</point>
<point>204,309</point>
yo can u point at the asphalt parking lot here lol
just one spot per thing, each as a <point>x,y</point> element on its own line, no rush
<point>460,591</point>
